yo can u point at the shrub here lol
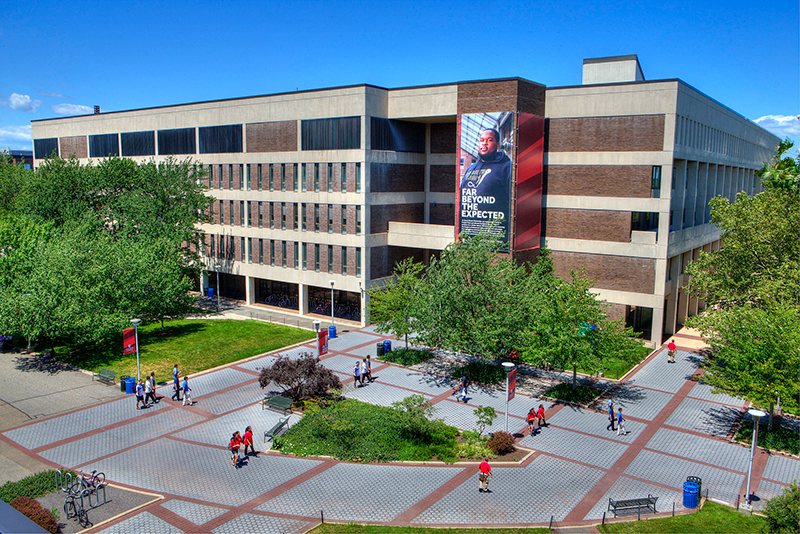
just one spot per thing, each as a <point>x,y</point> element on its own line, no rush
<point>782,439</point>
<point>501,443</point>
<point>783,511</point>
<point>481,373</point>
<point>580,395</point>
<point>474,446</point>
<point>484,416</point>
<point>303,378</point>
<point>406,357</point>
<point>31,509</point>
<point>33,486</point>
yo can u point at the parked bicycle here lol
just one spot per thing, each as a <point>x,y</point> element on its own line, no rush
<point>93,481</point>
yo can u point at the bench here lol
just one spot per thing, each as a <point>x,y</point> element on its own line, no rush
<point>277,402</point>
<point>648,503</point>
<point>272,432</point>
<point>106,375</point>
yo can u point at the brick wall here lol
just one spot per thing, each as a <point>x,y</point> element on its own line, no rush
<point>621,273</point>
<point>290,254</point>
<point>337,218</point>
<point>631,181</point>
<point>309,217</point>
<point>443,214</point>
<point>503,95</point>
<point>351,177</point>
<point>380,215</point>
<point>351,220</point>
<point>443,138</point>
<point>337,260</point>
<point>351,260</point>
<point>383,259</point>
<point>390,177</point>
<point>236,213</point>
<point>280,136</point>
<point>605,134</point>
<point>443,178</point>
<point>235,177</point>
<point>595,225</point>
<point>74,146</point>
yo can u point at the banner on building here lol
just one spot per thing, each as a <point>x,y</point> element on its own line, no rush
<point>129,341</point>
<point>529,183</point>
<point>512,383</point>
<point>322,342</point>
<point>485,174</point>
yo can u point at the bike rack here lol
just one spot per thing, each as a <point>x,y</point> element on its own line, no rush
<point>62,478</point>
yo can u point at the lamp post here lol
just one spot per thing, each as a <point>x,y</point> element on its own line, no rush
<point>316,329</point>
<point>216,268</point>
<point>136,333</point>
<point>756,415</point>
<point>332,282</point>
<point>509,366</point>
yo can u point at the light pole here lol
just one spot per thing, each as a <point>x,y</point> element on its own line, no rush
<point>509,366</point>
<point>332,282</point>
<point>756,415</point>
<point>316,329</point>
<point>136,333</point>
<point>216,268</point>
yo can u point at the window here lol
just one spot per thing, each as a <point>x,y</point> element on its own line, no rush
<point>44,148</point>
<point>247,178</point>
<point>340,133</point>
<point>344,220</point>
<point>674,176</point>
<point>303,179</point>
<point>305,257</point>
<point>221,139</point>
<point>397,135</point>
<point>344,177</point>
<point>241,213</point>
<point>241,247</point>
<point>211,176</point>
<point>330,218</point>
<point>230,213</point>
<point>316,258</point>
<point>296,255</point>
<point>260,214</point>
<point>249,250</point>
<point>316,177</point>
<point>230,176</point>
<point>272,252</point>
<point>330,177</point>
<point>358,261</point>
<point>283,253</point>
<point>358,220</point>
<point>178,141</point>
<point>358,177</point>
<point>102,146</point>
<point>344,260</point>
<point>221,212</point>
<point>655,182</point>
<point>248,214</point>
<point>294,177</point>
<point>138,143</point>
<point>303,213</point>
<point>259,177</point>
<point>213,241</point>
<point>294,216</point>
<point>261,251</point>
<point>330,258</point>
<point>283,178</point>
<point>272,215</point>
<point>316,217</point>
<point>283,216</point>
<point>271,178</point>
<point>211,211</point>
<point>241,177</point>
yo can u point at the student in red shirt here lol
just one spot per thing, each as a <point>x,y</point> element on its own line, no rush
<point>532,420</point>
<point>540,416</point>
<point>671,348</point>
<point>248,440</point>
<point>484,476</point>
<point>236,441</point>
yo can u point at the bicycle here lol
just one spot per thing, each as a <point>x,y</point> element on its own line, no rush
<point>93,481</point>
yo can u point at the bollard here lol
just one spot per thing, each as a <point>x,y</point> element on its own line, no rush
<point>603,522</point>
<point>673,508</point>
<point>638,513</point>
<point>551,523</point>
<point>322,517</point>
<point>737,502</point>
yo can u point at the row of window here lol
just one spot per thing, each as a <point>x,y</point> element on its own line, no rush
<point>283,253</point>
<point>694,134</point>
<point>276,177</point>
<point>263,214</point>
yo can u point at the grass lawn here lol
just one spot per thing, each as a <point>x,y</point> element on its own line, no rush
<point>351,528</point>
<point>712,519</point>
<point>194,344</point>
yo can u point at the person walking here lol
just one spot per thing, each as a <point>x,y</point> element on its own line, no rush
<point>463,388</point>
<point>357,380</point>
<point>148,391</point>
<point>140,395</point>
<point>154,394</point>
<point>671,348</point>
<point>610,415</point>
<point>176,383</point>
<point>247,440</point>
<point>620,422</point>
<point>366,370</point>
<point>186,390</point>
<point>236,441</point>
<point>484,474</point>
<point>540,416</point>
<point>531,418</point>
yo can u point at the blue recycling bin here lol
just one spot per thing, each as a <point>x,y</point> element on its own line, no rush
<point>130,385</point>
<point>691,494</point>
<point>387,346</point>
<point>211,292</point>
<point>332,332</point>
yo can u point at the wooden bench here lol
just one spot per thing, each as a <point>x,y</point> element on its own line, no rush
<point>106,375</point>
<point>272,432</point>
<point>648,503</point>
<point>277,402</point>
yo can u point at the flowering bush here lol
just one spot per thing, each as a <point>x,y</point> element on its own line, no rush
<point>501,443</point>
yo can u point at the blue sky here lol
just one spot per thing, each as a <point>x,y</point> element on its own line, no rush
<point>61,58</point>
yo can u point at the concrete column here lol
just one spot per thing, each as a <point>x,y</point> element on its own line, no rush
<point>250,289</point>
<point>204,282</point>
<point>657,329</point>
<point>302,299</point>
<point>670,312</point>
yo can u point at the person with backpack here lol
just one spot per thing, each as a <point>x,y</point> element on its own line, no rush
<point>531,418</point>
<point>247,440</point>
<point>236,442</point>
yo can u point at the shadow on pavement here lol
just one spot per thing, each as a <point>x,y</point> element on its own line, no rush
<point>50,366</point>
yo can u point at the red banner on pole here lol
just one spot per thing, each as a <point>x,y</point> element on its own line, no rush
<point>512,383</point>
<point>322,343</point>
<point>129,341</point>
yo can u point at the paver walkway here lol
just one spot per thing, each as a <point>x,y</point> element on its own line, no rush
<point>677,428</point>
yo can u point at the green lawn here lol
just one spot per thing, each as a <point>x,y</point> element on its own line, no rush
<point>352,528</point>
<point>194,344</point>
<point>711,519</point>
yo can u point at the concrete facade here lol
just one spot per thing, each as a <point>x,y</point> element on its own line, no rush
<point>630,166</point>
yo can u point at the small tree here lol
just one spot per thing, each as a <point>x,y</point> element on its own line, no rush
<point>484,416</point>
<point>303,378</point>
<point>392,306</point>
<point>783,511</point>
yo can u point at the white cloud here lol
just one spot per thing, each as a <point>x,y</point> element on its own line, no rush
<point>71,109</point>
<point>781,125</point>
<point>51,93</point>
<point>16,137</point>
<point>20,102</point>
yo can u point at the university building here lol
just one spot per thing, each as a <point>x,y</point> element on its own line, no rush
<point>323,191</point>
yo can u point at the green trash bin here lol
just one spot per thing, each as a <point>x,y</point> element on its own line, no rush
<point>379,346</point>
<point>122,383</point>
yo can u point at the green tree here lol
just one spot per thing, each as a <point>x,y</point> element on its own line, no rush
<point>752,289</point>
<point>783,511</point>
<point>392,305</point>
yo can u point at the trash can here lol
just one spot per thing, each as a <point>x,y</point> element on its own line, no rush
<point>130,385</point>
<point>380,349</point>
<point>387,346</point>
<point>122,380</point>
<point>211,292</point>
<point>699,482</point>
<point>332,332</point>
<point>691,494</point>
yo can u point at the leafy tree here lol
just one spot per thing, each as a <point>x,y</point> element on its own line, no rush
<point>484,416</point>
<point>392,305</point>
<point>302,378</point>
<point>783,511</point>
<point>752,289</point>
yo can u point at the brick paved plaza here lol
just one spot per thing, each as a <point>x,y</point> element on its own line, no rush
<point>677,427</point>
